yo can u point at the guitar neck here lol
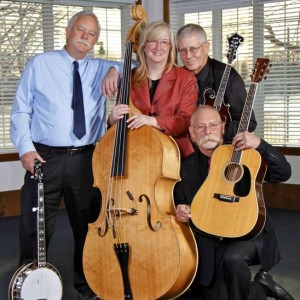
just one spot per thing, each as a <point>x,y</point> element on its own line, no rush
<point>245,119</point>
<point>41,240</point>
<point>248,107</point>
<point>222,88</point>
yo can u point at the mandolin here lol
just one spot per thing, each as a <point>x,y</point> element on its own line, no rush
<point>223,207</point>
<point>209,95</point>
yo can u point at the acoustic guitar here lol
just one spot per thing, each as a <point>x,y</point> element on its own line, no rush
<point>230,202</point>
<point>38,279</point>
<point>209,95</point>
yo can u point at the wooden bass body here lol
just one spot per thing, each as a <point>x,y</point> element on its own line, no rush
<point>223,207</point>
<point>136,249</point>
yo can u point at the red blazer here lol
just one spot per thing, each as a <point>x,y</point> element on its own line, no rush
<point>174,101</point>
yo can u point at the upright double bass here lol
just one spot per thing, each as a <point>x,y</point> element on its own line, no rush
<point>136,249</point>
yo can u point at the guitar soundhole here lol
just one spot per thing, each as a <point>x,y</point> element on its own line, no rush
<point>233,172</point>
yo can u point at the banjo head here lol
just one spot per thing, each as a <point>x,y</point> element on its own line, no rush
<point>31,283</point>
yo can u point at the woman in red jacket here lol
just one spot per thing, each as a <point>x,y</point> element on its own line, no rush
<point>164,93</point>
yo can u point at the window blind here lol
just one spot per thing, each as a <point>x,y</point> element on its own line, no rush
<point>270,30</point>
<point>31,27</point>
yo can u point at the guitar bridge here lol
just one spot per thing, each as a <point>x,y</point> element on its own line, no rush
<point>226,198</point>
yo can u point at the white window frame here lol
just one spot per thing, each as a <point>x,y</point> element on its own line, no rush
<point>280,125</point>
<point>48,41</point>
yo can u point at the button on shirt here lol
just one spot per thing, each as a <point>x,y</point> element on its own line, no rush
<point>42,109</point>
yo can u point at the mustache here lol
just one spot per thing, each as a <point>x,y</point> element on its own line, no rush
<point>211,137</point>
<point>84,42</point>
<point>208,141</point>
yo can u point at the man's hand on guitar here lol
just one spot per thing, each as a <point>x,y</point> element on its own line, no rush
<point>245,140</point>
<point>183,213</point>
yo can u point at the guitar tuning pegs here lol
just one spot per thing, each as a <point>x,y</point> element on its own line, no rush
<point>265,77</point>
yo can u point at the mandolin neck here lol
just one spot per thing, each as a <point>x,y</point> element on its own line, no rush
<point>222,88</point>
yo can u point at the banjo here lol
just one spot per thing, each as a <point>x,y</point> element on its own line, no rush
<point>37,280</point>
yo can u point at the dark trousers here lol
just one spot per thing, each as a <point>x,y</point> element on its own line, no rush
<point>232,276</point>
<point>68,176</point>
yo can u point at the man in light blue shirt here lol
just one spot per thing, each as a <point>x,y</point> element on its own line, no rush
<point>42,129</point>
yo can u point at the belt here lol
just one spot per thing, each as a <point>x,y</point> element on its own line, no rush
<point>64,150</point>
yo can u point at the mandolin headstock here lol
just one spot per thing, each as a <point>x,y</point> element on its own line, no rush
<point>234,42</point>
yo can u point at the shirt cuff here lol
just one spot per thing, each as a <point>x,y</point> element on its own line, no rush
<point>26,147</point>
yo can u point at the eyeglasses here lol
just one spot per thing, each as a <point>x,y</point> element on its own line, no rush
<point>163,43</point>
<point>192,50</point>
<point>203,127</point>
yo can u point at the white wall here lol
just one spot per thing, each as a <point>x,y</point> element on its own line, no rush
<point>12,176</point>
<point>295,163</point>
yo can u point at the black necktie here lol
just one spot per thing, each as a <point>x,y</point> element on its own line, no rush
<point>79,119</point>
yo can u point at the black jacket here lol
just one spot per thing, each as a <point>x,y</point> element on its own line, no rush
<point>235,94</point>
<point>194,170</point>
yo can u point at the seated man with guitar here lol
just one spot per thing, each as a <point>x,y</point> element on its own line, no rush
<point>223,271</point>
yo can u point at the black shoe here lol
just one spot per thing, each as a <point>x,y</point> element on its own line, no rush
<point>271,288</point>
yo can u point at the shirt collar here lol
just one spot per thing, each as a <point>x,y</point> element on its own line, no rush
<point>70,59</point>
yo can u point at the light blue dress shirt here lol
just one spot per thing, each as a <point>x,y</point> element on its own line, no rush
<point>42,109</point>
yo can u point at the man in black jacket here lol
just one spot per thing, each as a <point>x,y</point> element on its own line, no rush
<point>193,48</point>
<point>224,271</point>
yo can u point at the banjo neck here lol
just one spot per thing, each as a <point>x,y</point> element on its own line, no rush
<point>41,239</point>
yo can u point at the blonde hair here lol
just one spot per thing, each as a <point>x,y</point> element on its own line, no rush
<point>152,32</point>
